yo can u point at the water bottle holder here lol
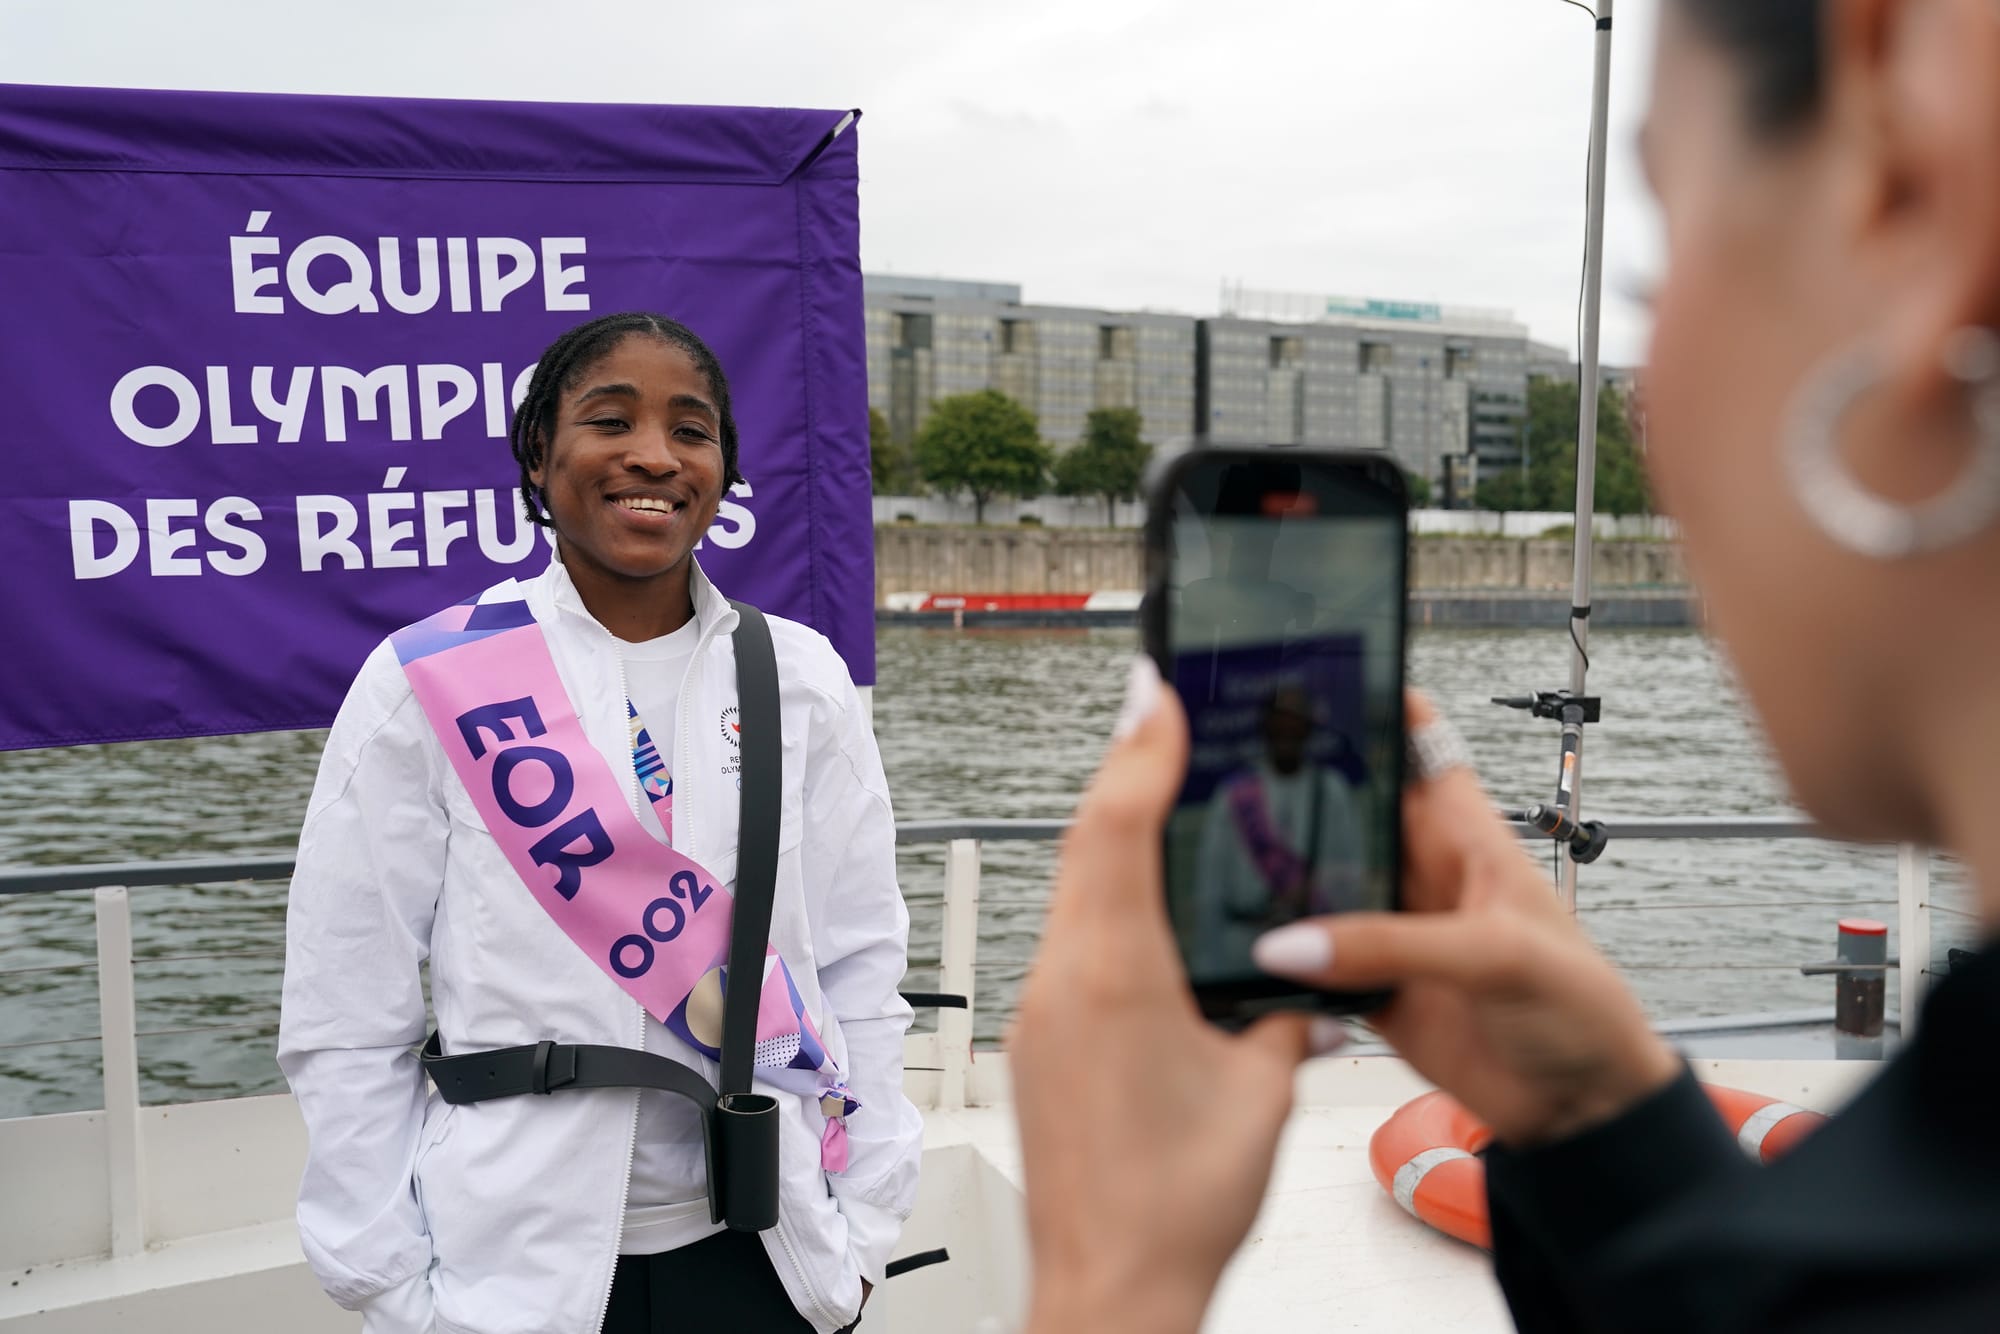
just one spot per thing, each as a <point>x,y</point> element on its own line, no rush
<point>739,1131</point>
<point>743,1162</point>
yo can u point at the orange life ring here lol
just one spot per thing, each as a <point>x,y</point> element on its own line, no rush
<point>1427,1154</point>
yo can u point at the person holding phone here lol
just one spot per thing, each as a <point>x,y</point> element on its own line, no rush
<point>1281,840</point>
<point>1824,422</point>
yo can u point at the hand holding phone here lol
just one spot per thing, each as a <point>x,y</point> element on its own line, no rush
<point>1147,1134</point>
<point>1275,607</point>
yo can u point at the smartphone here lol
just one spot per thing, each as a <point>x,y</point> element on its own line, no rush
<point>1276,594</point>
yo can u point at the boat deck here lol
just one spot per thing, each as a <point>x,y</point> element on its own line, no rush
<point>177,1219</point>
<point>1329,1252</point>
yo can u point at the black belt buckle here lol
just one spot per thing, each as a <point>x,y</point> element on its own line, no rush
<point>538,1075</point>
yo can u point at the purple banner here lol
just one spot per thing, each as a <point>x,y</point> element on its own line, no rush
<point>1228,693</point>
<point>260,354</point>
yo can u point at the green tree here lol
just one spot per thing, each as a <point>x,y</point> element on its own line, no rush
<point>1503,491</point>
<point>985,444</point>
<point>1108,462</point>
<point>1419,489</point>
<point>1551,480</point>
<point>888,463</point>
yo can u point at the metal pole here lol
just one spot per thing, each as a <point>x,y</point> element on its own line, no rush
<point>1913,899</point>
<point>957,950</point>
<point>1586,427</point>
<point>124,1149</point>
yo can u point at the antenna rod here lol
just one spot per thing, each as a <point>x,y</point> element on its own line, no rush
<point>1586,432</point>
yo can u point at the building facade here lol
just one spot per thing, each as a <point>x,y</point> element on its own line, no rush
<point>931,338</point>
<point>1442,388</point>
<point>1548,362</point>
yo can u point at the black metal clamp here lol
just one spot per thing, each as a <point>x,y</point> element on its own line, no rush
<point>1556,705</point>
<point>1585,839</point>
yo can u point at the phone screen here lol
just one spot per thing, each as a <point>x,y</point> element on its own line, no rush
<point>1283,596</point>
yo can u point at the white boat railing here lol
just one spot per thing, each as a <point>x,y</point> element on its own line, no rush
<point>939,1063</point>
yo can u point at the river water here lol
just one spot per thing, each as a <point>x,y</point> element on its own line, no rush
<point>972,724</point>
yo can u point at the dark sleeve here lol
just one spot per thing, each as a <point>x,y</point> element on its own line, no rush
<point>1563,1214</point>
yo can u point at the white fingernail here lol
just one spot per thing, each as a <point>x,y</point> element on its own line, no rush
<point>1293,951</point>
<point>1142,694</point>
<point>1325,1034</point>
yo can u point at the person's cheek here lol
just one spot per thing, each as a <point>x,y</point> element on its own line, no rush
<point>1675,405</point>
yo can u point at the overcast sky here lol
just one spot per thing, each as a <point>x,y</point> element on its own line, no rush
<point>1099,152</point>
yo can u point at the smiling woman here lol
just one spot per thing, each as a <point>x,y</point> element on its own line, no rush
<point>626,442</point>
<point>537,791</point>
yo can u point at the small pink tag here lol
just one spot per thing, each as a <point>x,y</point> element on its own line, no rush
<point>833,1145</point>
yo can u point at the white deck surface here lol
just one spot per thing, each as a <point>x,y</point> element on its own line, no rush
<point>1330,1251</point>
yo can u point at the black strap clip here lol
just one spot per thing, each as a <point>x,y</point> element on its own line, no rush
<point>538,1074</point>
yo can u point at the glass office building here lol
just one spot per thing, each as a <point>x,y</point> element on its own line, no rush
<point>931,338</point>
<point>1442,388</point>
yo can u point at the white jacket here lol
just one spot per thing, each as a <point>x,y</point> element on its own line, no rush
<point>504,1217</point>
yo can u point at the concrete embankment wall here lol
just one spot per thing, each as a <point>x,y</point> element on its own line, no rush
<point>1088,512</point>
<point>1530,564</point>
<point>949,559</point>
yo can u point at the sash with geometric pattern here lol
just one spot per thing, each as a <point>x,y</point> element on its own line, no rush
<point>655,921</point>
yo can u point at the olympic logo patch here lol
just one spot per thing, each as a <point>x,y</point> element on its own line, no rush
<point>732,726</point>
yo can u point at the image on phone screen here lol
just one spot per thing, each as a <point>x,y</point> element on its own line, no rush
<point>1284,634</point>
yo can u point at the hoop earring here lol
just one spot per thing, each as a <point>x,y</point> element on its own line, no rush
<point>1854,517</point>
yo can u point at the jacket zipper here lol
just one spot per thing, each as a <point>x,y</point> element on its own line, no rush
<point>812,1295</point>
<point>631,1139</point>
<point>624,1193</point>
<point>684,751</point>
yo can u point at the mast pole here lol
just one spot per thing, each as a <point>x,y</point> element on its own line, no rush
<point>1586,433</point>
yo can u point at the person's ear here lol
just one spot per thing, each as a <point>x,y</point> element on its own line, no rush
<point>1913,97</point>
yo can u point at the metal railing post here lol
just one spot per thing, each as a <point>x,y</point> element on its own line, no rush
<point>118,1026</point>
<point>957,950</point>
<point>1913,904</point>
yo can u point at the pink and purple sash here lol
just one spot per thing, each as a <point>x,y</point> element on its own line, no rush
<point>1294,883</point>
<point>653,919</point>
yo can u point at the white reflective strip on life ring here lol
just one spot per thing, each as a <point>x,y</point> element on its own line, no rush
<point>1411,1174</point>
<point>1760,1123</point>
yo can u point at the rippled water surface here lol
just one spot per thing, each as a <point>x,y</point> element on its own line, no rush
<point>972,724</point>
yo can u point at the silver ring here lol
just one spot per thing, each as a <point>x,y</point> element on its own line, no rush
<point>1433,749</point>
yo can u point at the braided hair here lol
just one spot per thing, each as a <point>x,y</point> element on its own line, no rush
<point>576,352</point>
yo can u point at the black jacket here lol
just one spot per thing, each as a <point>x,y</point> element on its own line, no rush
<point>1886,1219</point>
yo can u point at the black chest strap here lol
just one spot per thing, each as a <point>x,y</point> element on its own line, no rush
<point>739,1128</point>
<point>760,812</point>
